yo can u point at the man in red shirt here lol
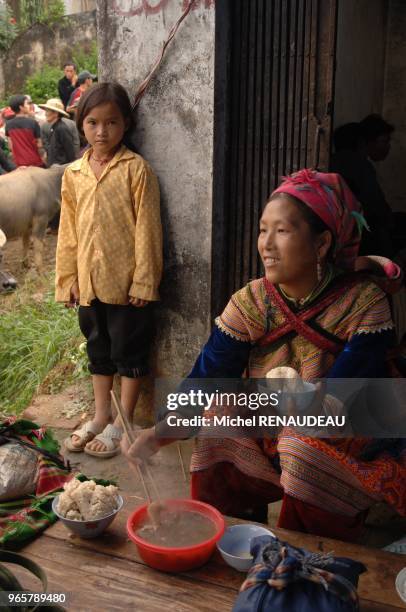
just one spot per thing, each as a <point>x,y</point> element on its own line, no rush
<point>24,134</point>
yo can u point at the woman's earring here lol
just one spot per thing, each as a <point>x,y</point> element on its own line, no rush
<point>319,269</point>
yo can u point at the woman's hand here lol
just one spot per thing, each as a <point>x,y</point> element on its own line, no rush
<point>137,302</point>
<point>145,445</point>
<point>74,296</point>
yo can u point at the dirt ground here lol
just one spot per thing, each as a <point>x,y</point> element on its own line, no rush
<point>12,255</point>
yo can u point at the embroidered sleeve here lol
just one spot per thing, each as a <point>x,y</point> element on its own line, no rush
<point>244,317</point>
<point>370,313</point>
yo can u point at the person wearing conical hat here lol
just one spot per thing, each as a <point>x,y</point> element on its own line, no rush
<point>60,145</point>
<point>59,138</point>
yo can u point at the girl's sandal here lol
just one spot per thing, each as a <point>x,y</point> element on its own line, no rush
<point>108,437</point>
<point>85,434</point>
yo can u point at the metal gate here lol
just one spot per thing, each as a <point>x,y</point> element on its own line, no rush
<point>273,107</point>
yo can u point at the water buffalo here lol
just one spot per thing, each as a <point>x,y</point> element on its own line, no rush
<point>29,198</point>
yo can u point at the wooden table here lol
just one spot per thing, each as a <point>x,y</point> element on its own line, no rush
<point>107,574</point>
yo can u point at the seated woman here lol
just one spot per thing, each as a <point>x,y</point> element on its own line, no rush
<point>313,313</point>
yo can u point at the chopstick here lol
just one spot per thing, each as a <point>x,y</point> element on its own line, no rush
<point>152,480</point>
<point>181,462</point>
<point>130,436</point>
<point>123,417</point>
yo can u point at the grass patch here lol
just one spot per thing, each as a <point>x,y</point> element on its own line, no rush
<point>40,346</point>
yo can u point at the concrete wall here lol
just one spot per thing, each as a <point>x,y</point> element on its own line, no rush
<point>41,44</point>
<point>392,170</point>
<point>361,40</point>
<point>175,134</point>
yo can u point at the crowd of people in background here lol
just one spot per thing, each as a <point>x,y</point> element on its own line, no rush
<point>44,134</point>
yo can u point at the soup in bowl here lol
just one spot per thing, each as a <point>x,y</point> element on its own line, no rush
<point>184,538</point>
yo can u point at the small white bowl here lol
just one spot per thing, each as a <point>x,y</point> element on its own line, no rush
<point>401,584</point>
<point>235,545</point>
<point>88,529</point>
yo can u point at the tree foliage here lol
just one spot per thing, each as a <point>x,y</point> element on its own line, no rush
<point>28,12</point>
<point>43,84</point>
<point>48,12</point>
<point>8,28</point>
<point>85,59</point>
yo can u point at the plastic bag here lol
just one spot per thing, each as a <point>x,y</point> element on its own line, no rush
<point>18,471</point>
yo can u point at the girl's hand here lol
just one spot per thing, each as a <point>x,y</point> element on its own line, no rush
<point>74,296</point>
<point>138,302</point>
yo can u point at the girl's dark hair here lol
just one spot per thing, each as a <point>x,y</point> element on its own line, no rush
<point>316,224</point>
<point>101,93</point>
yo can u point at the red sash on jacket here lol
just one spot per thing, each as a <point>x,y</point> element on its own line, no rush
<point>302,322</point>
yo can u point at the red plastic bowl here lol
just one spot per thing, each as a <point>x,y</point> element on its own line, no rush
<point>176,559</point>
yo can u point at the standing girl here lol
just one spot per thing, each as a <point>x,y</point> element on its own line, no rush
<point>109,259</point>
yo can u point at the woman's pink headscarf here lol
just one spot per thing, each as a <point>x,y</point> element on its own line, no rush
<point>330,198</point>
